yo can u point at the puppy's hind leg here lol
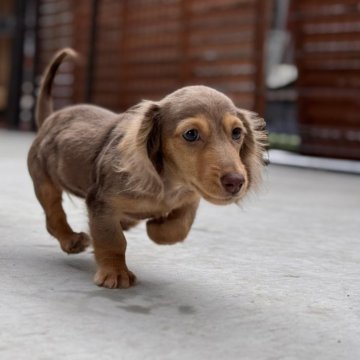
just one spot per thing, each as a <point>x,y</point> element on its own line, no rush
<point>50,199</point>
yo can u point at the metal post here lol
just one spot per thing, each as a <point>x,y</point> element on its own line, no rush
<point>90,72</point>
<point>17,57</point>
<point>262,25</point>
<point>36,59</point>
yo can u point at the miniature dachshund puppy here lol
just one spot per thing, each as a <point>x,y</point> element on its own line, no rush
<point>153,162</point>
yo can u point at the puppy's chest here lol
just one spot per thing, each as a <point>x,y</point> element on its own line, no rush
<point>150,208</point>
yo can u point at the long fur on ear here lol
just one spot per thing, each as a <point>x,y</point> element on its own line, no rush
<point>253,149</point>
<point>140,151</point>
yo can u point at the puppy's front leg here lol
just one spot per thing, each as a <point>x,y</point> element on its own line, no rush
<point>109,247</point>
<point>175,227</point>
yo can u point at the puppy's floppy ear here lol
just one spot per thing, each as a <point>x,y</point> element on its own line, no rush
<point>254,146</point>
<point>152,120</point>
<point>140,150</point>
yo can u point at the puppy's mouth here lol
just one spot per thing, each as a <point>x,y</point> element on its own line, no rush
<point>217,200</point>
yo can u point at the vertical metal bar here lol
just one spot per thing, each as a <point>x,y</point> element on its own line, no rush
<point>17,57</point>
<point>90,73</point>
<point>123,43</point>
<point>295,28</point>
<point>262,11</point>
<point>185,71</point>
<point>36,59</point>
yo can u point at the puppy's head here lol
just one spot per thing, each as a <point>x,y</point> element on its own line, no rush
<point>213,146</point>
<point>199,137</point>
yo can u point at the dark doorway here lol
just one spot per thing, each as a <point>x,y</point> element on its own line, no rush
<point>18,23</point>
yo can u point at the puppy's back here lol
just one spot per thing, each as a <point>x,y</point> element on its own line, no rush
<point>68,144</point>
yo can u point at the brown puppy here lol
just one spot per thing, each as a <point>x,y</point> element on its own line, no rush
<point>154,161</point>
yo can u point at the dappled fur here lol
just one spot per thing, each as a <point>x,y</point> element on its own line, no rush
<point>137,166</point>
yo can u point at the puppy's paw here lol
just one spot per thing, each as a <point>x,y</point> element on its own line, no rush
<point>114,278</point>
<point>163,233</point>
<point>76,243</point>
<point>164,240</point>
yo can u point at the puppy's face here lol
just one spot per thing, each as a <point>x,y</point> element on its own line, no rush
<point>210,144</point>
<point>205,153</point>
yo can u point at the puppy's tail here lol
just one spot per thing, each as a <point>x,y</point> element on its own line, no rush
<point>44,106</point>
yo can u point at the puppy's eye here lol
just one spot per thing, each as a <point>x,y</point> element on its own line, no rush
<point>236,133</point>
<point>191,135</point>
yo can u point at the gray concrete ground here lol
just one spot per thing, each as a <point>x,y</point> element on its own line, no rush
<point>276,279</point>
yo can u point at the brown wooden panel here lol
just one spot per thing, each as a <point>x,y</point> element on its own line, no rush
<point>148,48</point>
<point>328,57</point>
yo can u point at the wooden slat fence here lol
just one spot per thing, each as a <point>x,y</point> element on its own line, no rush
<point>148,48</point>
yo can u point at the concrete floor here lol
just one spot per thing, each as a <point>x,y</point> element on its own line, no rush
<point>276,279</point>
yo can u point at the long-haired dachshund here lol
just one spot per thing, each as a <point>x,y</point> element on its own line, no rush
<point>154,161</point>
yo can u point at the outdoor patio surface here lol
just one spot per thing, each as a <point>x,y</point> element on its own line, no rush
<point>278,278</point>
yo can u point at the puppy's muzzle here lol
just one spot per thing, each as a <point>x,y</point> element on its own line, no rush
<point>232,182</point>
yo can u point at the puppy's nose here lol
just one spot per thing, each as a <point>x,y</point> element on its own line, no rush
<point>232,182</point>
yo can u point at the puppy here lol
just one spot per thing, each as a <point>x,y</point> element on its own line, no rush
<point>154,161</point>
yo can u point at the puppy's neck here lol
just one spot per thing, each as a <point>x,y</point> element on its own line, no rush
<point>174,184</point>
